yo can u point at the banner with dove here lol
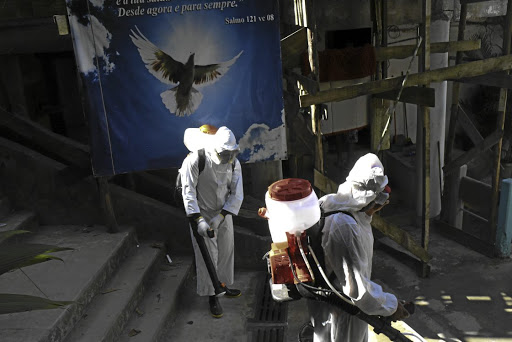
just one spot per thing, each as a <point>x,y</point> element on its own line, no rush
<point>152,68</point>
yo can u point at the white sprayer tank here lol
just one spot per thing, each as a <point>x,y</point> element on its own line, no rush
<point>292,206</point>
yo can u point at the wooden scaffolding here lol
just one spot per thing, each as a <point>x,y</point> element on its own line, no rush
<point>413,88</point>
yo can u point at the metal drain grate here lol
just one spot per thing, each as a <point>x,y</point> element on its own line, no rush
<point>270,317</point>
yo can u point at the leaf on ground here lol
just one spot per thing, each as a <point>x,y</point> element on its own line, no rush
<point>109,290</point>
<point>139,312</point>
<point>133,332</point>
<point>10,303</point>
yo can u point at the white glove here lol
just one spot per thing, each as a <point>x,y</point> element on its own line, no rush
<point>203,227</point>
<point>216,221</point>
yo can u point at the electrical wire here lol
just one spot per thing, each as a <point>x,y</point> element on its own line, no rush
<point>413,335</point>
<point>399,94</point>
<point>343,297</point>
<point>304,257</point>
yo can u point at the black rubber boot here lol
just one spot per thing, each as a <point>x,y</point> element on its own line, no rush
<point>215,308</point>
<point>232,293</point>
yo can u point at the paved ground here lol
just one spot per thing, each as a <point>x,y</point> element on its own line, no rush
<point>468,297</point>
<point>194,322</point>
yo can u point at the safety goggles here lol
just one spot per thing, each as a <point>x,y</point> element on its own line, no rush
<point>227,156</point>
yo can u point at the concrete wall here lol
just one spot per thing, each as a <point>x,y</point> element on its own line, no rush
<point>34,182</point>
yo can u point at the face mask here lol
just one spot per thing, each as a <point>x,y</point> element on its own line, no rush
<point>226,156</point>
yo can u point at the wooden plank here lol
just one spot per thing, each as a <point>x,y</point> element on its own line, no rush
<point>424,127</point>
<point>468,127</point>
<point>453,72</point>
<point>293,46</point>
<point>377,128</point>
<point>69,150</point>
<point>453,213</point>
<point>414,95</point>
<point>323,183</point>
<point>400,236</point>
<point>488,142</point>
<point>496,79</point>
<point>464,238</point>
<point>406,51</point>
<point>476,195</point>
<point>310,85</point>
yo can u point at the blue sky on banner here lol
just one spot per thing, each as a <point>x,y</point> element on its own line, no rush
<point>134,115</point>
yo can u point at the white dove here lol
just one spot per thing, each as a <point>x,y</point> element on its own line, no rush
<point>183,99</point>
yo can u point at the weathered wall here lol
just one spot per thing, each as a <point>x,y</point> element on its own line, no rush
<point>34,182</point>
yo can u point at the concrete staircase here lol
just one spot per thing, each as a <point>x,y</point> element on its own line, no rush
<point>120,287</point>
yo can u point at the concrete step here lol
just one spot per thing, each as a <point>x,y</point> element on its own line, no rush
<point>22,219</point>
<point>159,306</point>
<point>84,272</point>
<point>105,317</point>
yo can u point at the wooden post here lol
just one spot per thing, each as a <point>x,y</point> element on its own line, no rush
<point>507,36</point>
<point>384,33</point>
<point>379,118</point>
<point>449,195</point>
<point>106,204</point>
<point>454,208</point>
<point>316,115</point>
<point>423,139</point>
<point>379,106</point>
<point>377,27</point>
<point>455,88</point>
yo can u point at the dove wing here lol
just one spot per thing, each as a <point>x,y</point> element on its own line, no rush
<point>159,64</point>
<point>210,73</point>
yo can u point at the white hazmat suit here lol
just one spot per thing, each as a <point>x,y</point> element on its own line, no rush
<point>348,251</point>
<point>218,187</point>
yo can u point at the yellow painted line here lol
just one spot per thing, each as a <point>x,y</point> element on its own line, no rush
<point>401,326</point>
<point>479,298</point>
<point>421,302</point>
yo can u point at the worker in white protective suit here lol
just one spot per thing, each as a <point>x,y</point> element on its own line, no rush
<point>347,243</point>
<point>211,198</point>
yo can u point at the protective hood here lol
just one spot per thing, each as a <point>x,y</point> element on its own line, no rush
<point>223,147</point>
<point>224,140</point>
<point>364,183</point>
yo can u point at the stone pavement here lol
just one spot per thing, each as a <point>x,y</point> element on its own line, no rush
<point>467,297</point>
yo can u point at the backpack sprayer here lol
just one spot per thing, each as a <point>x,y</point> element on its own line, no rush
<point>292,208</point>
